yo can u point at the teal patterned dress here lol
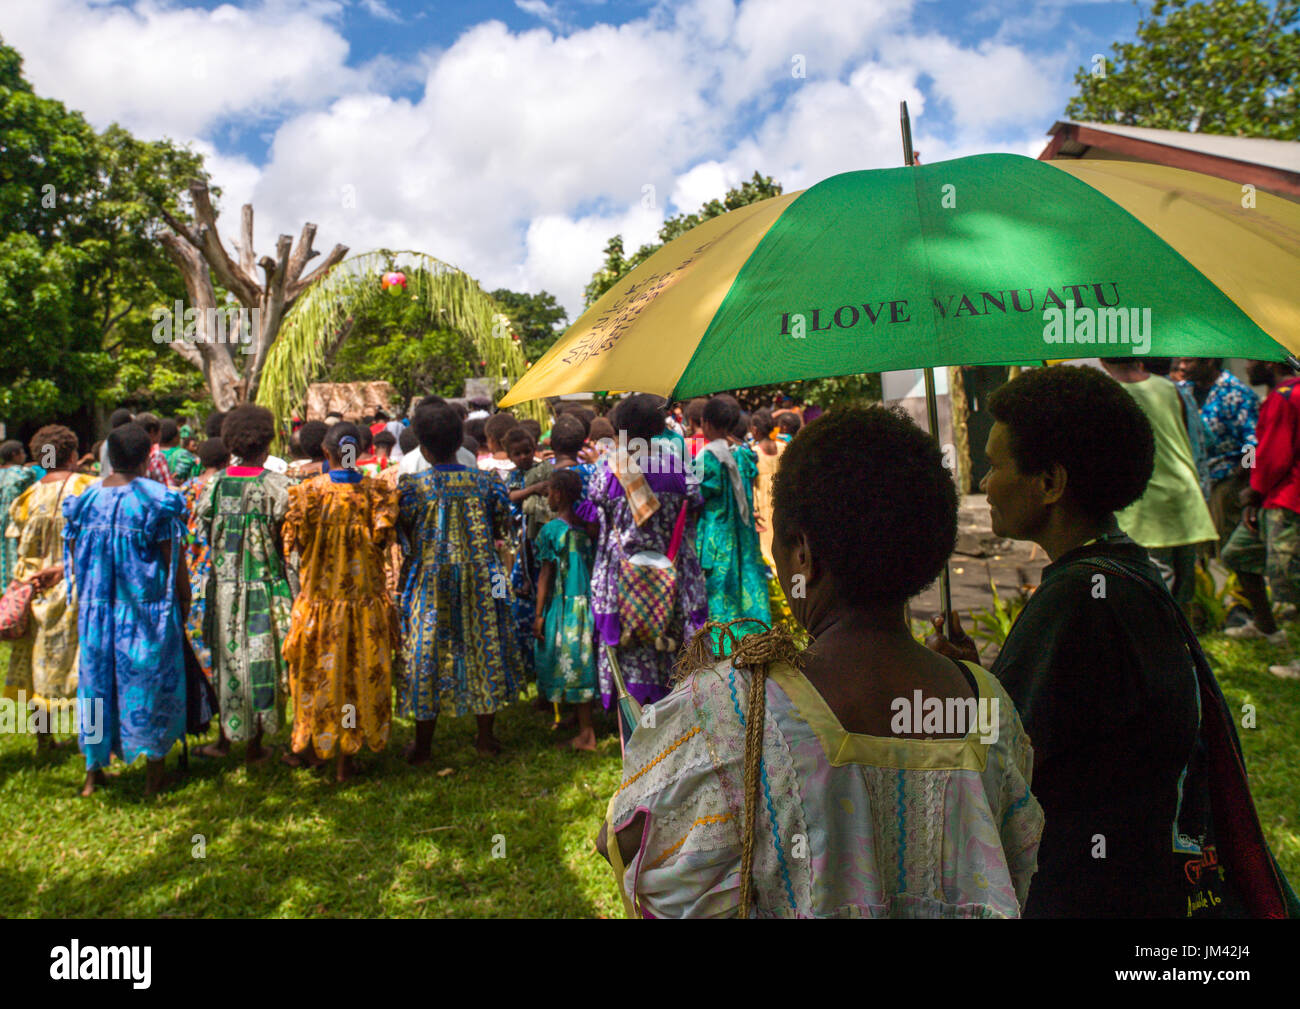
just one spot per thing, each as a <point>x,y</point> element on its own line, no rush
<point>247,598</point>
<point>13,481</point>
<point>565,658</point>
<point>458,638</point>
<point>735,575</point>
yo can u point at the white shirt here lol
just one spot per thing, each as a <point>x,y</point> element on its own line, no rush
<point>415,462</point>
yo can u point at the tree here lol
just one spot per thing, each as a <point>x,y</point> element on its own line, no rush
<point>78,216</point>
<point>321,326</point>
<point>617,265</point>
<point>199,255</point>
<point>535,318</point>
<point>392,339</point>
<point>1225,67</point>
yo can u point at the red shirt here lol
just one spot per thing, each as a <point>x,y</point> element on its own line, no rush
<point>1277,468</point>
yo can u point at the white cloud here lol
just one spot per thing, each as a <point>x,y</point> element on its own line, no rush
<point>520,152</point>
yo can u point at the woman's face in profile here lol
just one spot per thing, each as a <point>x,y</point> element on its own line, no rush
<point>1015,500</point>
<point>792,576</point>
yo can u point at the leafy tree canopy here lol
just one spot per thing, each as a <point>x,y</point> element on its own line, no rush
<point>535,318</point>
<point>78,260</point>
<point>1226,67</point>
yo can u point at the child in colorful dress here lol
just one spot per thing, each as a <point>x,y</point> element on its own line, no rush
<point>249,594</point>
<point>213,457</point>
<point>344,633</point>
<point>458,640</point>
<point>524,571</point>
<point>566,662</point>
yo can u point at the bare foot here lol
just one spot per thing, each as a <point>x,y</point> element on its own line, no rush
<point>93,780</point>
<point>565,724</point>
<point>345,770</point>
<point>256,756</point>
<point>216,750</point>
<point>161,784</point>
<point>487,746</point>
<point>582,741</point>
<point>307,758</point>
<point>415,756</point>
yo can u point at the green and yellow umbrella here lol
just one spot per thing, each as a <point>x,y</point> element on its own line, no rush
<point>991,259</point>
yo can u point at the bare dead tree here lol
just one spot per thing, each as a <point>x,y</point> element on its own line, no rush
<point>232,367</point>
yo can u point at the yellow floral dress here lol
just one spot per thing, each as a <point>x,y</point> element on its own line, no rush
<point>343,635</point>
<point>43,663</point>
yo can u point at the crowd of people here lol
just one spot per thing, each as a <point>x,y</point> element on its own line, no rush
<point>458,557</point>
<point>745,577</point>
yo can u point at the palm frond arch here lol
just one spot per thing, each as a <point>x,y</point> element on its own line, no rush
<point>323,319</point>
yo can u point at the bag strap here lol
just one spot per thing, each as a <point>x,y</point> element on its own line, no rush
<point>678,527</point>
<point>1219,733</point>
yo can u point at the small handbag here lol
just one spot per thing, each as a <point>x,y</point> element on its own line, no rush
<point>15,609</point>
<point>16,603</point>
<point>647,589</point>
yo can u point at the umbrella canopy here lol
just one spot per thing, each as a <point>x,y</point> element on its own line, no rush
<point>991,259</point>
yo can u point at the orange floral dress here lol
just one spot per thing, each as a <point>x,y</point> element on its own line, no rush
<point>344,632</point>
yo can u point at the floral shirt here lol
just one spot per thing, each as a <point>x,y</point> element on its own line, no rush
<point>1230,413</point>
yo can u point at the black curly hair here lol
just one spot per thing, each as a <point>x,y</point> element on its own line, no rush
<point>722,412</point>
<point>568,483</point>
<point>11,451</point>
<point>311,436</point>
<point>212,426</point>
<point>439,429</point>
<point>1083,419</point>
<point>334,440</point>
<point>640,416</point>
<point>128,447</point>
<point>248,430</point>
<point>61,440</point>
<point>869,490</point>
<point>567,435</point>
<point>213,454</point>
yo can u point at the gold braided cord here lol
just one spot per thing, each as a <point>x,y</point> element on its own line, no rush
<point>753,652</point>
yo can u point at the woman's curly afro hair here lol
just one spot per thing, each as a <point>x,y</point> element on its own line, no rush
<point>1083,419</point>
<point>248,430</point>
<point>869,490</point>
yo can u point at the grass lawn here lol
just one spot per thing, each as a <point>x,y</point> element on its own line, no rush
<point>404,842</point>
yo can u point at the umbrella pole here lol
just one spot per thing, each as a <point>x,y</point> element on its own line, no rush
<point>931,401</point>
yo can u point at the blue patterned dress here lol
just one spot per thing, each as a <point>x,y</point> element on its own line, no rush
<point>523,575</point>
<point>458,639</point>
<point>727,542</point>
<point>131,692</point>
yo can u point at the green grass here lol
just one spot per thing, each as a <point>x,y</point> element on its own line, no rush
<point>398,842</point>
<point>406,842</point>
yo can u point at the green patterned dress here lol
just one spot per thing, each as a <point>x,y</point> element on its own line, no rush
<point>565,659</point>
<point>726,540</point>
<point>247,598</point>
<point>13,481</point>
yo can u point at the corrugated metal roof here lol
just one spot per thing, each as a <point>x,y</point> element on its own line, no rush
<point>1283,154</point>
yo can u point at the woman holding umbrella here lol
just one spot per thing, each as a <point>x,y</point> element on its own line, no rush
<point>779,783</point>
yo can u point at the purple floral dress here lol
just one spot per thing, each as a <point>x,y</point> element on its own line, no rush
<point>646,671</point>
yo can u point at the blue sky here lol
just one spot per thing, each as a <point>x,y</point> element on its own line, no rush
<point>512,138</point>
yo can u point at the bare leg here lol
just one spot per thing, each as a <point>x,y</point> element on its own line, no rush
<point>221,748</point>
<point>1253,588</point>
<point>487,744</point>
<point>155,776</point>
<point>93,780</point>
<point>256,752</point>
<point>420,751</point>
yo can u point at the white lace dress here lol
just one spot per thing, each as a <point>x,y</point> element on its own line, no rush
<point>850,825</point>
